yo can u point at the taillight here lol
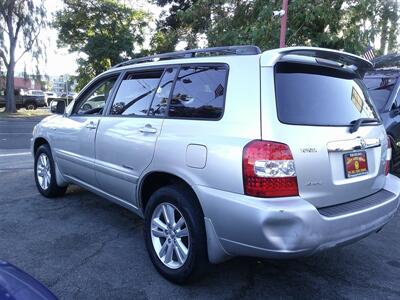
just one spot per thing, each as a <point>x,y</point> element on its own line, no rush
<point>268,170</point>
<point>388,156</point>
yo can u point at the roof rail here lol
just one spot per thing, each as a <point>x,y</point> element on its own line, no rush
<point>228,50</point>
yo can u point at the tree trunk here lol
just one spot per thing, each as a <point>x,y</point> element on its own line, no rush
<point>384,26</point>
<point>393,32</point>
<point>11,106</point>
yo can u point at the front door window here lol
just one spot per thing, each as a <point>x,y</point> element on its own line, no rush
<point>95,100</point>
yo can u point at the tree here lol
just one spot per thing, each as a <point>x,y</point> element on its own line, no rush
<point>20,25</point>
<point>106,32</point>
<point>172,28</point>
<point>339,24</point>
<point>389,25</point>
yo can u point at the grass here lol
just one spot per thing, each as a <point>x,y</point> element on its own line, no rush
<point>23,113</point>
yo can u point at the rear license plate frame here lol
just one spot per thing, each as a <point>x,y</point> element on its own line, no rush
<point>351,160</point>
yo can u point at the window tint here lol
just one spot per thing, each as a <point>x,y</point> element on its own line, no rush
<point>380,89</point>
<point>199,93</point>
<point>312,95</point>
<point>135,93</point>
<point>160,101</point>
<point>94,101</point>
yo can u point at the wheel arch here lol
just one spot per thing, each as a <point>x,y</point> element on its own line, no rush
<point>39,141</point>
<point>154,180</point>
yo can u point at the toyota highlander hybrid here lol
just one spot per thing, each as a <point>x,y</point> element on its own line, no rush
<point>227,152</point>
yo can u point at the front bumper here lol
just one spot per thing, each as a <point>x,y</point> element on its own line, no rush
<point>239,225</point>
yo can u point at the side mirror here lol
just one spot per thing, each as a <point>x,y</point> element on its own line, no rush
<point>57,107</point>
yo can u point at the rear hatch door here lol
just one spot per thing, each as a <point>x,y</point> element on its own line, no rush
<point>313,108</point>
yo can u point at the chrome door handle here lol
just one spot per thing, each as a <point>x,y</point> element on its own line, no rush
<point>148,129</point>
<point>91,125</point>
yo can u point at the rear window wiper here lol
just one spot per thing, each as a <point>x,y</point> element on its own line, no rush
<point>357,123</point>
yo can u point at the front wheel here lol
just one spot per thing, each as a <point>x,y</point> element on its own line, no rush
<point>45,175</point>
<point>175,234</point>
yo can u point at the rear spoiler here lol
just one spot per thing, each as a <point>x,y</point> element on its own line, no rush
<point>342,59</point>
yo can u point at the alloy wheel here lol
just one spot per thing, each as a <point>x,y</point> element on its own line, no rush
<point>43,171</point>
<point>170,235</point>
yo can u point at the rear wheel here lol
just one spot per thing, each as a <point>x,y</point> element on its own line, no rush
<point>31,106</point>
<point>175,234</point>
<point>45,175</point>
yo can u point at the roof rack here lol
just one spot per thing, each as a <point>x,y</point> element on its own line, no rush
<point>228,50</point>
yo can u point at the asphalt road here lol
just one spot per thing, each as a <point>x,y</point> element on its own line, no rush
<point>15,133</point>
<point>83,247</point>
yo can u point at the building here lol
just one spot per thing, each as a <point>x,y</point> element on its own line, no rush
<point>59,84</point>
<point>21,83</point>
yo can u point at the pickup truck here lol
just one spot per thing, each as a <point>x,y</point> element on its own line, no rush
<point>30,102</point>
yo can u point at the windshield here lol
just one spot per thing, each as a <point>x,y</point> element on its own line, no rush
<point>380,89</point>
<point>315,95</point>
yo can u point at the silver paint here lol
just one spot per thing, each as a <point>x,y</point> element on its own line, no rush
<point>111,156</point>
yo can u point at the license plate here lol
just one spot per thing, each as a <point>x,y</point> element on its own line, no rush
<point>355,164</point>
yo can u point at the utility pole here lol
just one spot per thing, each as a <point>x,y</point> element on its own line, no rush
<point>66,88</point>
<point>282,42</point>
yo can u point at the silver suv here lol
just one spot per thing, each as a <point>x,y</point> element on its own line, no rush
<point>227,152</point>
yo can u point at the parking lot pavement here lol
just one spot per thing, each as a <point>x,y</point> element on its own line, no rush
<point>15,133</point>
<point>83,247</point>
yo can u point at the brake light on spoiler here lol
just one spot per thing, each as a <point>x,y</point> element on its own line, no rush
<point>269,170</point>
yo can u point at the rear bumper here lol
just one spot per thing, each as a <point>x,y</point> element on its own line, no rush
<point>239,225</point>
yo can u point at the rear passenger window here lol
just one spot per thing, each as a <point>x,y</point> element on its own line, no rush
<point>199,92</point>
<point>135,93</point>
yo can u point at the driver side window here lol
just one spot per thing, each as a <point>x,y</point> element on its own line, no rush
<point>93,102</point>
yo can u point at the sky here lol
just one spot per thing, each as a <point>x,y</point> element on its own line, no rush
<point>58,60</point>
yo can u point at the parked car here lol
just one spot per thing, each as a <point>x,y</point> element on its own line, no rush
<point>50,96</point>
<point>384,87</point>
<point>71,95</point>
<point>38,93</point>
<point>68,98</point>
<point>15,284</point>
<point>24,100</point>
<point>94,102</point>
<point>277,154</point>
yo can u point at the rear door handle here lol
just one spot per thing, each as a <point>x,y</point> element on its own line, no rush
<point>148,129</point>
<point>92,125</point>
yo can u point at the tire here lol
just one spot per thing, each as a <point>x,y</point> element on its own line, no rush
<point>31,106</point>
<point>86,107</point>
<point>49,188</point>
<point>185,204</point>
<point>395,161</point>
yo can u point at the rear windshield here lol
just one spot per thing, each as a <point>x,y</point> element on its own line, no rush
<point>380,89</point>
<point>314,95</point>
